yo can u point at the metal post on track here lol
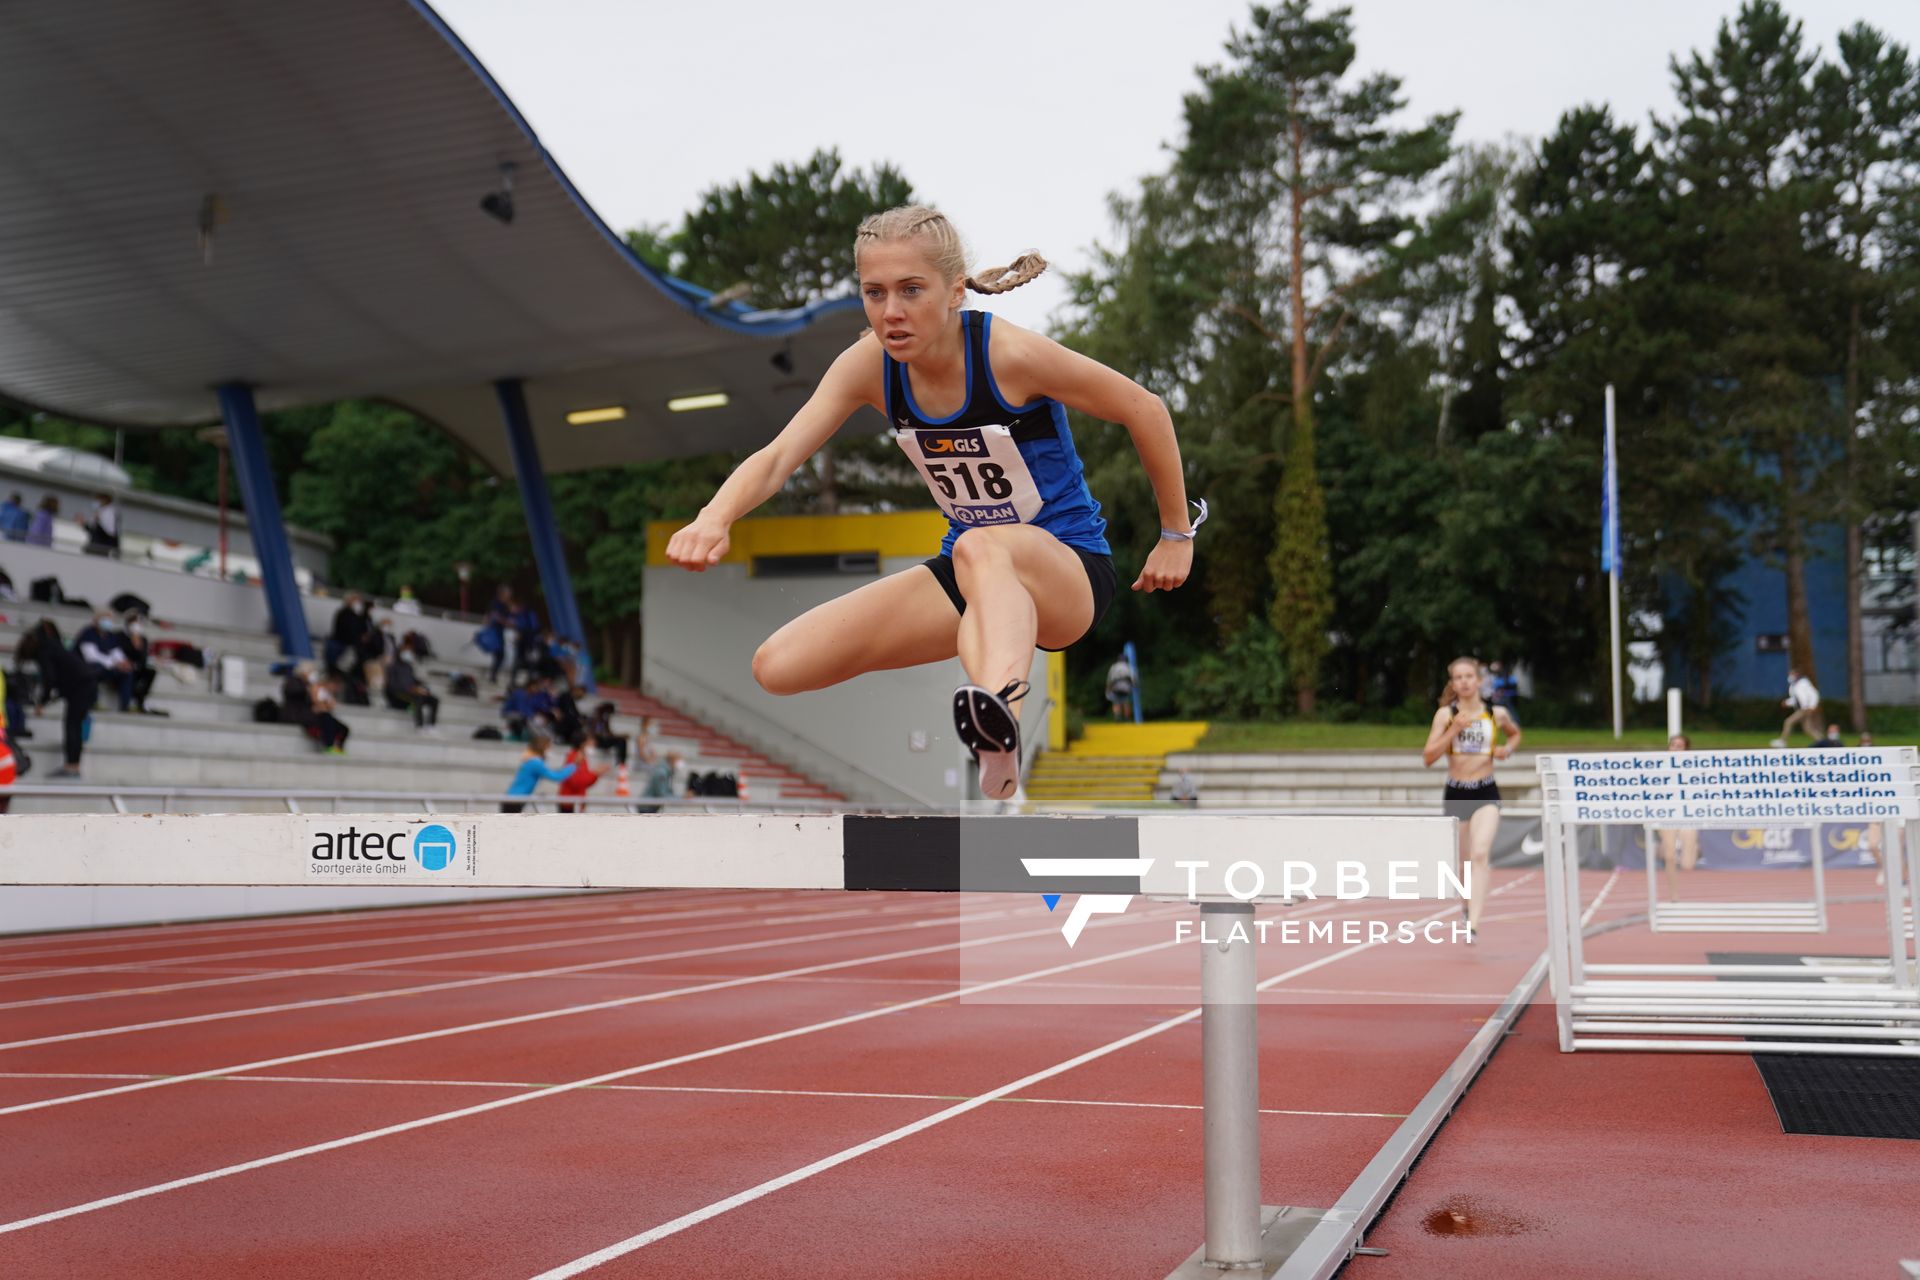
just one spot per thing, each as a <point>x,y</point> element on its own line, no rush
<point>1244,1237</point>
<point>1230,1086</point>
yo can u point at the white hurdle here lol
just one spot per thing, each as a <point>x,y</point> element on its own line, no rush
<point>1873,1008</point>
<point>1223,865</point>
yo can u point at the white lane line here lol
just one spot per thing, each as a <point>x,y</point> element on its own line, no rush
<point>401,922</point>
<point>361,943</point>
<point>624,1073</point>
<point>541,1016</point>
<point>718,1207</point>
<point>361,997</point>
<point>694,1088</point>
<point>520,948</point>
<point>111,938</point>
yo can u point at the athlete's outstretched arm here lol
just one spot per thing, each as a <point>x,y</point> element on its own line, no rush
<point>850,382</point>
<point>1049,369</point>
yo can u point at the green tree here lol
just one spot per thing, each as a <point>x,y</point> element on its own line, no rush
<point>785,239</point>
<point>1866,143</point>
<point>1304,169</point>
<point>1749,278</point>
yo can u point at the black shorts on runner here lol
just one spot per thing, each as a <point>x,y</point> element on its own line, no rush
<point>1100,576</point>
<point>1462,799</point>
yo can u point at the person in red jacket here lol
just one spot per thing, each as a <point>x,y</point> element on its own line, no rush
<point>583,775</point>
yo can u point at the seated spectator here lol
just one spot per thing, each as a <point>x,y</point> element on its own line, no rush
<point>533,767</point>
<point>1186,793</point>
<point>583,774</point>
<point>342,651</point>
<point>564,658</point>
<point>661,782</point>
<point>19,685</point>
<point>296,697</point>
<point>568,723</point>
<point>600,729</point>
<point>407,692</point>
<point>98,645</point>
<point>327,729</point>
<point>133,644</point>
<point>527,707</point>
<point>40,528</point>
<point>377,645</point>
<point>421,646</point>
<point>10,770</point>
<point>406,603</point>
<point>1833,738</point>
<point>14,518</point>
<point>103,526</point>
<point>64,673</point>
<point>6,587</point>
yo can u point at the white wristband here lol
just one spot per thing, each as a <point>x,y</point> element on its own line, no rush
<point>1174,535</point>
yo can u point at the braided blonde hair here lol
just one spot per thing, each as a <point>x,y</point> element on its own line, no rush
<point>945,249</point>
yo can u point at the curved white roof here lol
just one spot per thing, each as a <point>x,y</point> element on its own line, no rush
<point>55,460</point>
<point>339,153</point>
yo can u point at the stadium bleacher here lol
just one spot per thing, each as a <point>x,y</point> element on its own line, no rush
<point>209,738</point>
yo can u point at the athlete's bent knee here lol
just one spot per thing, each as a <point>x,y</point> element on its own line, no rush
<point>977,549</point>
<point>773,668</point>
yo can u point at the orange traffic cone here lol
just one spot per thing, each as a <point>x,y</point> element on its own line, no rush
<point>742,789</point>
<point>621,785</point>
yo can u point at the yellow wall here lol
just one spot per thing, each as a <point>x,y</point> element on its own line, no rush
<point>893,535</point>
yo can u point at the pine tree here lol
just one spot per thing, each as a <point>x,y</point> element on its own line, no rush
<point>1297,172</point>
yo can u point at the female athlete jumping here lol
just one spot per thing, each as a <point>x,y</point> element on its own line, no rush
<point>978,407</point>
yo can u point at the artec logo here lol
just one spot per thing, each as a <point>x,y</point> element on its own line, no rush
<point>434,847</point>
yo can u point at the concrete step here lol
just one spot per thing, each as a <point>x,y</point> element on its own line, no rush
<point>1324,761</point>
<point>1155,739</point>
<point>1356,797</point>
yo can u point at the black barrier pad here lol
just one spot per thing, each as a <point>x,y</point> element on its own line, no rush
<point>1839,1097</point>
<point>1832,1096</point>
<point>982,855</point>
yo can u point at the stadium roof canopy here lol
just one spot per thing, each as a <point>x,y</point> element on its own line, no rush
<point>290,196</point>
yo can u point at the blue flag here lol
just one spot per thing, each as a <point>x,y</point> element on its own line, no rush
<point>1610,509</point>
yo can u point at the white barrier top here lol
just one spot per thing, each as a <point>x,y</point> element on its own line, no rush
<point>1199,857</point>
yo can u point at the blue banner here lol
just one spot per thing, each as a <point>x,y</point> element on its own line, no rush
<point>1845,844</point>
<point>1609,510</point>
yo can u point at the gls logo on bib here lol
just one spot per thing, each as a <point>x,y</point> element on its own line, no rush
<point>947,444</point>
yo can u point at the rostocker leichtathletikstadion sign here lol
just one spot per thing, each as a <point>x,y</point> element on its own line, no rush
<point>1681,787</point>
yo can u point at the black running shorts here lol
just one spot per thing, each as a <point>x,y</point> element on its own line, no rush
<point>1462,799</point>
<point>1100,576</point>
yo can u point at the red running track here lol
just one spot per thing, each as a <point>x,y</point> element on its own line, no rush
<point>660,1084</point>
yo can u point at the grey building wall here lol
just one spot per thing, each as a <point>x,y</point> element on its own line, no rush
<point>863,738</point>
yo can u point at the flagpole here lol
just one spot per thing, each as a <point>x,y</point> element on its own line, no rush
<point>1610,538</point>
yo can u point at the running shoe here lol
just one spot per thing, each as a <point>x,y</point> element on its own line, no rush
<point>987,724</point>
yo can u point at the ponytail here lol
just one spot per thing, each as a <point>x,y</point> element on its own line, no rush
<point>1023,270</point>
<point>944,248</point>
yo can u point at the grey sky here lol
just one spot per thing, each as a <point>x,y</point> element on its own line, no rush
<point>1018,117</point>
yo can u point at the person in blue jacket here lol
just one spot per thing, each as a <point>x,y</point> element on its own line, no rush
<point>979,407</point>
<point>533,767</point>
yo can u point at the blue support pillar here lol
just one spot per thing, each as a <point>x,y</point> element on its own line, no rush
<point>542,528</point>
<point>269,531</point>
